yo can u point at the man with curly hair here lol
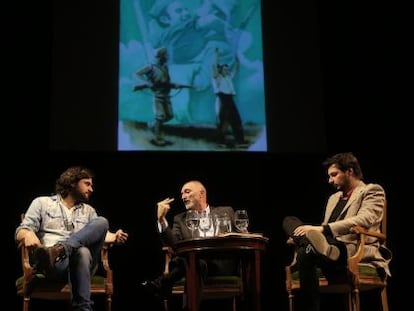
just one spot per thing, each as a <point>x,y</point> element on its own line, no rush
<point>67,235</point>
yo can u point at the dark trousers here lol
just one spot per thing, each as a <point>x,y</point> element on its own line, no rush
<point>308,263</point>
<point>228,114</point>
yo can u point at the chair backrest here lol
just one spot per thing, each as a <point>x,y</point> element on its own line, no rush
<point>34,285</point>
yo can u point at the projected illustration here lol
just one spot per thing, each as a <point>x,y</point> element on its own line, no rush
<point>191,76</point>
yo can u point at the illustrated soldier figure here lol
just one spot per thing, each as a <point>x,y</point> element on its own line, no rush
<point>157,78</point>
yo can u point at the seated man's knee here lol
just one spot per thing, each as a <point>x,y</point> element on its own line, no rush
<point>83,255</point>
<point>101,223</point>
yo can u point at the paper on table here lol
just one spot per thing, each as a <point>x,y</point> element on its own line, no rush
<point>250,234</point>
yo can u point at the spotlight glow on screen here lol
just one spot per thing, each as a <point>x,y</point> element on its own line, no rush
<point>197,35</point>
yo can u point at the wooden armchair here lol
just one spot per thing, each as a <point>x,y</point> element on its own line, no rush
<point>363,277</point>
<point>33,285</point>
<point>215,287</point>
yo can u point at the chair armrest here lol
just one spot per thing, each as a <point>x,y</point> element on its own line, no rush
<point>359,254</point>
<point>106,267</point>
<point>105,256</point>
<point>168,255</point>
<point>362,230</point>
<point>291,242</point>
<point>27,268</point>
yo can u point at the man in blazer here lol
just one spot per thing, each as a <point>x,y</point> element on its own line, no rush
<point>329,245</point>
<point>194,197</point>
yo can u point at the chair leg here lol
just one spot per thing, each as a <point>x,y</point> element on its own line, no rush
<point>355,300</point>
<point>109,303</point>
<point>291,298</point>
<point>234,304</point>
<point>26,301</point>
<point>166,306</point>
<point>384,299</point>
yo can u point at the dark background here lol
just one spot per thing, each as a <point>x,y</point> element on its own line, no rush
<point>341,57</point>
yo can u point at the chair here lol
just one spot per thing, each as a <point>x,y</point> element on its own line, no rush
<point>215,287</point>
<point>363,277</point>
<point>33,285</point>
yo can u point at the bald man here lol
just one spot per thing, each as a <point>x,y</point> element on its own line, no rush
<point>194,197</point>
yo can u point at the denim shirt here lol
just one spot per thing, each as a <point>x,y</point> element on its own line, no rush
<point>46,217</point>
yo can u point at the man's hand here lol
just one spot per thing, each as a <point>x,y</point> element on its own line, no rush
<point>301,230</point>
<point>120,236</point>
<point>162,209</point>
<point>29,238</point>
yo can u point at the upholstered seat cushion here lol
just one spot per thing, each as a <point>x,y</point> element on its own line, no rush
<point>215,287</point>
<point>364,270</point>
<point>42,285</point>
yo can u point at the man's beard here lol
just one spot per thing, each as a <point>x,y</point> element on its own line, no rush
<point>189,205</point>
<point>78,196</point>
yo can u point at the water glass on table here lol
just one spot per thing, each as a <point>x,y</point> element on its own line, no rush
<point>222,224</point>
<point>192,221</point>
<point>205,222</point>
<point>241,220</point>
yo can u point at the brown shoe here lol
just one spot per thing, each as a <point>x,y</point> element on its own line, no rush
<point>46,257</point>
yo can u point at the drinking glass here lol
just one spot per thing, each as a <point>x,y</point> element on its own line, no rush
<point>192,221</point>
<point>223,223</point>
<point>241,220</point>
<point>205,222</point>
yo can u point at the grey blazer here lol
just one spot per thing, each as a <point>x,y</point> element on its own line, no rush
<point>364,208</point>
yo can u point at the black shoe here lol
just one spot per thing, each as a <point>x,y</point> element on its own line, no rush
<point>152,287</point>
<point>155,288</point>
<point>321,246</point>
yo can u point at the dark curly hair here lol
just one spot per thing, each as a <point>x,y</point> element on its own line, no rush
<point>69,178</point>
<point>345,161</point>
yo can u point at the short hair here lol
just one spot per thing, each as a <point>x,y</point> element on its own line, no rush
<point>64,184</point>
<point>161,52</point>
<point>345,161</point>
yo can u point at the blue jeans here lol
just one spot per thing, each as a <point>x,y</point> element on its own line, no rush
<point>83,251</point>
